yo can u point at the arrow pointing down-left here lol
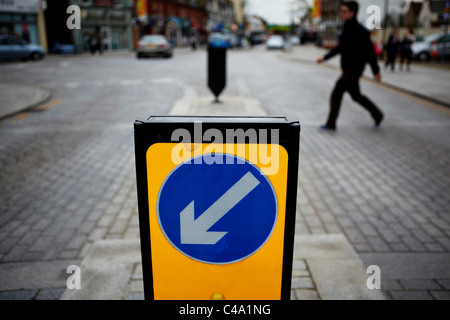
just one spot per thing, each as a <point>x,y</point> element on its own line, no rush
<point>195,231</point>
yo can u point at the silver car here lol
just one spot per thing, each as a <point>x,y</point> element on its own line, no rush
<point>154,45</point>
<point>422,50</point>
<point>275,42</point>
<point>12,47</point>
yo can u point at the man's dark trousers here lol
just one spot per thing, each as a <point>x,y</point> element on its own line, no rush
<point>349,81</point>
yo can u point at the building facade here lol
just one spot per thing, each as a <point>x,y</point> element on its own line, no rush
<point>178,20</point>
<point>118,24</point>
<point>110,21</point>
<point>220,15</point>
<point>25,19</point>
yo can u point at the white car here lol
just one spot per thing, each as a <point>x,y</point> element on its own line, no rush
<point>153,45</point>
<point>275,42</point>
<point>422,50</point>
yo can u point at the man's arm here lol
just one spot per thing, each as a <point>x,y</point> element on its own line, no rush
<point>330,54</point>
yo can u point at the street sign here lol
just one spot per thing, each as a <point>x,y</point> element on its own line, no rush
<point>217,213</point>
<point>217,200</point>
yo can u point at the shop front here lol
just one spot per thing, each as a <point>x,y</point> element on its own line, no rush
<point>20,18</point>
<point>110,27</point>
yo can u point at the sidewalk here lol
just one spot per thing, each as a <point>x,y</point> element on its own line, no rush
<point>16,98</point>
<point>429,83</point>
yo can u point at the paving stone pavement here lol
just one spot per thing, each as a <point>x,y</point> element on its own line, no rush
<point>68,179</point>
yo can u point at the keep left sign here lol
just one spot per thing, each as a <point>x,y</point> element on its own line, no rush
<point>217,213</point>
<point>217,218</point>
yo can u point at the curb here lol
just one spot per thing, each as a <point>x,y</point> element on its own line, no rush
<point>16,98</point>
<point>336,269</point>
<point>412,93</point>
<point>382,83</point>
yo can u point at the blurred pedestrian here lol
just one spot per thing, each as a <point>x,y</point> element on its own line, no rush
<point>96,42</point>
<point>25,33</point>
<point>405,49</point>
<point>378,47</point>
<point>92,43</point>
<point>392,48</point>
<point>193,41</point>
<point>356,49</point>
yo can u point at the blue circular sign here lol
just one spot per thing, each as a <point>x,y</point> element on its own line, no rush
<point>217,208</point>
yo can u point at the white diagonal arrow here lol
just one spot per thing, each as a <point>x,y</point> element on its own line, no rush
<point>195,231</point>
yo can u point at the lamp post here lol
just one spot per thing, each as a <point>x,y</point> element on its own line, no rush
<point>385,23</point>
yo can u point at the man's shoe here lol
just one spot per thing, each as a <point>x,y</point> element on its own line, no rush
<point>378,122</point>
<point>325,128</point>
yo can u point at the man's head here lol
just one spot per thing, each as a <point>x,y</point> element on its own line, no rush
<point>349,9</point>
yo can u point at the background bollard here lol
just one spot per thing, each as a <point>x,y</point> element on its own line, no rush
<point>217,70</point>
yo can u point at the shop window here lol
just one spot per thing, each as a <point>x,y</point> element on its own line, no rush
<point>5,17</point>
<point>24,18</point>
<point>86,2</point>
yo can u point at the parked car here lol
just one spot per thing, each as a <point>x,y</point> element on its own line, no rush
<point>12,47</point>
<point>275,42</point>
<point>423,50</point>
<point>232,39</point>
<point>256,38</point>
<point>150,45</point>
<point>59,48</point>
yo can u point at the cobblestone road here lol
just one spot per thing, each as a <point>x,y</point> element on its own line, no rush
<point>67,168</point>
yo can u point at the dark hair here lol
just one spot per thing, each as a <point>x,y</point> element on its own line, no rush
<point>353,6</point>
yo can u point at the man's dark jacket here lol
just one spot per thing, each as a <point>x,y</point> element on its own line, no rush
<point>356,49</point>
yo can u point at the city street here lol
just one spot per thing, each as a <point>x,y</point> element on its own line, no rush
<point>67,175</point>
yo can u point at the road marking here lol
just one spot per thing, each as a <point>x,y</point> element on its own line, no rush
<point>20,117</point>
<point>47,106</point>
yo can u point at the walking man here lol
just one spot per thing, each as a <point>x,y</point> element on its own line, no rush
<point>356,50</point>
